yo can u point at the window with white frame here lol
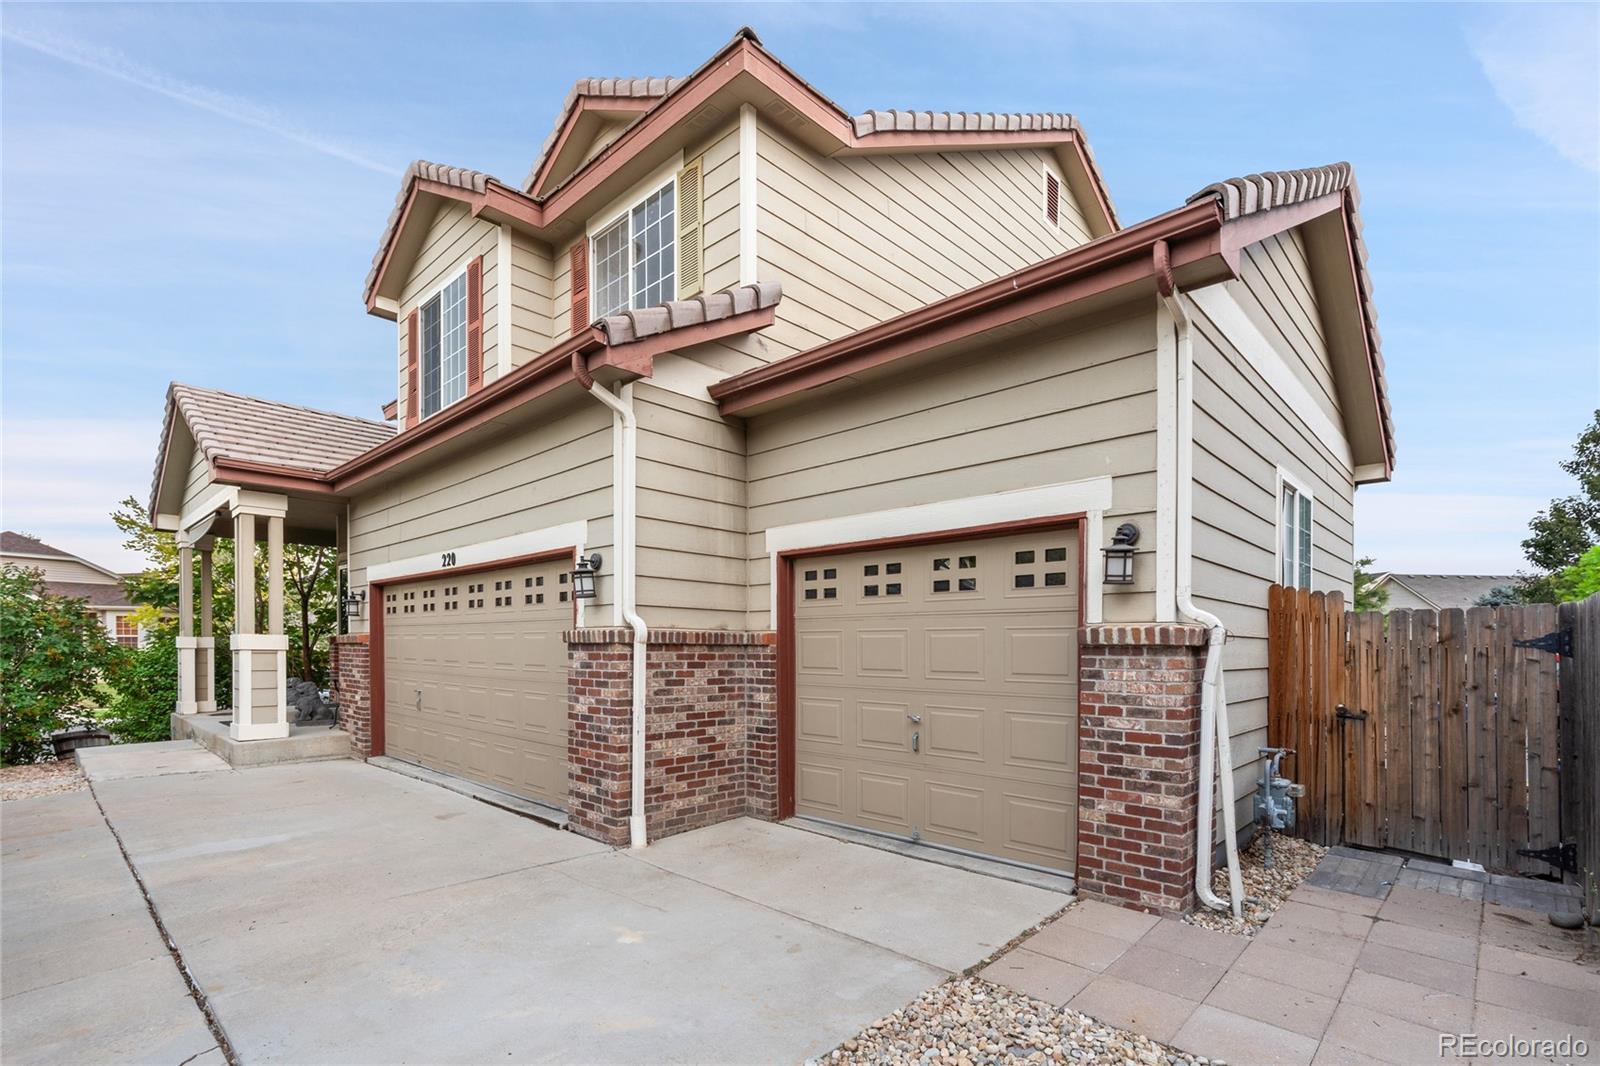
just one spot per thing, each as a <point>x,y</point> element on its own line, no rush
<point>443,322</point>
<point>1294,534</point>
<point>634,259</point>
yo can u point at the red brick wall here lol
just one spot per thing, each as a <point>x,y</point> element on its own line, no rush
<point>1138,764</point>
<point>350,669</point>
<point>710,738</point>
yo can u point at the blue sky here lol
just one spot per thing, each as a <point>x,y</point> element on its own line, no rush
<point>194,192</point>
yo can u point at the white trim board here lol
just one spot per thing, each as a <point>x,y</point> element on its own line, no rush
<point>1091,496</point>
<point>568,535</point>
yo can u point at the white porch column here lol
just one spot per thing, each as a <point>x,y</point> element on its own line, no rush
<point>205,657</point>
<point>260,707</point>
<point>185,640</point>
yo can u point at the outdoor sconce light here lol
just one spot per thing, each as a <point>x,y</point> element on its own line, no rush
<point>583,577</point>
<point>1119,555</point>
<point>354,602</point>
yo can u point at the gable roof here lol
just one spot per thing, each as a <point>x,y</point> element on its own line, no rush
<point>742,71</point>
<point>21,544</point>
<point>1445,591</point>
<point>95,595</point>
<point>263,433</point>
<point>1201,243</point>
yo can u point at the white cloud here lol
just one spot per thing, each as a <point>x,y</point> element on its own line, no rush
<point>1541,60</point>
<point>1427,533</point>
<point>114,64</point>
<point>60,479</point>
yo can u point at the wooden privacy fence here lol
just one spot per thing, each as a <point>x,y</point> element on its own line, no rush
<point>1580,742</point>
<point>1431,732</point>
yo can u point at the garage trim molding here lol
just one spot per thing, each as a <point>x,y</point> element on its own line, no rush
<point>1090,498</point>
<point>783,596</point>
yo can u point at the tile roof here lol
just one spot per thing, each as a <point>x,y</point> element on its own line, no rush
<point>229,425</point>
<point>647,322</point>
<point>96,595</point>
<point>627,88</point>
<point>1280,188</point>
<point>898,121</point>
<point>1445,591</point>
<point>456,177</point>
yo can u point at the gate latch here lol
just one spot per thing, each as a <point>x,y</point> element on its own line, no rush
<point>1557,642</point>
<point>1346,714</point>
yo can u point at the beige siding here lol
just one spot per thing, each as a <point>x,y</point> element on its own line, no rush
<point>198,483</point>
<point>1275,291</point>
<point>1061,406</point>
<point>720,176</point>
<point>557,472</point>
<point>691,512</point>
<point>1402,598</point>
<point>856,240</point>
<point>1244,430</point>
<point>452,239</point>
<point>59,569</point>
<point>263,687</point>
<point>532,281</point>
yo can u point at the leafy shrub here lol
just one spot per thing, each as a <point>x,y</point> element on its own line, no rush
<point>146,694</point>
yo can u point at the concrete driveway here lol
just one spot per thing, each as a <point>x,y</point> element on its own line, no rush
<point>336,912</point>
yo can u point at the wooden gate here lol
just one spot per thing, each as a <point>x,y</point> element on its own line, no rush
<point>1580,744</point>
<point>1431,732</point>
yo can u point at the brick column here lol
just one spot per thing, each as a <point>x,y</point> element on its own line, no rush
<point>1138,764</point>
<point>710,734</point>
<point>351,672</point>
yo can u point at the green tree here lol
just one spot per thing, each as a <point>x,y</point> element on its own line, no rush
<point>1570,526</point>
<point>56,651</point>
<point>1369,596</point>
<point>147,693</point>
<point>1580,580</point>
<point>1500,596</point>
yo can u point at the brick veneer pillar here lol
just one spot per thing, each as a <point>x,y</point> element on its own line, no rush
<point>350,667</point>
<point>1138,764</point>
<point>711,730</point>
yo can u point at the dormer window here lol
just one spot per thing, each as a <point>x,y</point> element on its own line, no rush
<point>444,346</point>
<point>635,258</point>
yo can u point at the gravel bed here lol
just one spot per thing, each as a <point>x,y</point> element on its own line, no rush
<point>1264,889</point>
<point>40,779</point>
<point>968,1021</point>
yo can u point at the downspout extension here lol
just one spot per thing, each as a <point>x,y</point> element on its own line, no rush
<point>1215,743</point>
<point>625,471</point>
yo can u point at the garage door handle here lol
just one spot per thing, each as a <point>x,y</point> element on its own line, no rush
<point>915,717</point>
<point>418,691</point>
<point>916,741</point>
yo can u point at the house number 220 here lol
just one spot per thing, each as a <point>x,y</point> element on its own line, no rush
<point>447,559</point>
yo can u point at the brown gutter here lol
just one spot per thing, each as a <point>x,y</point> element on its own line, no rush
<point>254,475</point>
<point>1193,233</point>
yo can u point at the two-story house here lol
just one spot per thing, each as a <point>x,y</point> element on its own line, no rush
<point>751,457</point>
<point>65,574</point>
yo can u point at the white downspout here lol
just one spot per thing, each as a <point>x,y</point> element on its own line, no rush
<point>625,471</point>
<point>1214,734</point>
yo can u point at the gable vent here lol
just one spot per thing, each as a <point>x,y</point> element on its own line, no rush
<point>690,203</point>
<point>1052,199</point>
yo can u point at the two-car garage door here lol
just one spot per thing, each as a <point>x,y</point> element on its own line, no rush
<point>475,676</point>
<point>936,693</point>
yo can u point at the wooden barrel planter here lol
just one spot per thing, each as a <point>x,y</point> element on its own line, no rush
<point>70,740</point>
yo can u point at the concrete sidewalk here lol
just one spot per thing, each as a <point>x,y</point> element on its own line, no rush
<point>337,912</point>
<point>85,976</point>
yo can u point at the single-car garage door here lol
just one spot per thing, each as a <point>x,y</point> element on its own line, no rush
<point>936,693</point>
<point>475,676</point>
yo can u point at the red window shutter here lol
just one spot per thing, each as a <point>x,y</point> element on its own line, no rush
<point>580,284</point>
<point>1052,199</point>
<point>413,354</point>
<point>475,325</point>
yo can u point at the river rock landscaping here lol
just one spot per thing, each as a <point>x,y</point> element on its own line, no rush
<point>40,779</point>
<point>1264,889</point>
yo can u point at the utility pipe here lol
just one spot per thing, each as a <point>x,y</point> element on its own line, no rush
<point>625,473</point>
<point>1214,735</point>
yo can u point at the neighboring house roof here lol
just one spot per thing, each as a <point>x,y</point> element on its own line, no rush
<point>22,544</point>
<point>95,595</point>
<point>1263,192</point>
<point>264,433</point>
<point>1444,591</point>
<point>664,104</point>
<point>1201,243</point>
<point>258,442</point>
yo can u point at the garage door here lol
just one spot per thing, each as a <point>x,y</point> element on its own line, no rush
<point>475,677</point>
<point>937,691</point>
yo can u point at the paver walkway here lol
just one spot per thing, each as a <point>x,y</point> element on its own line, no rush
<point>1334,977</point>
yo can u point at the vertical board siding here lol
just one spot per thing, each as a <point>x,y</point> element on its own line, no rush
<point>555,472</point>
<point>1447,746</point>
<point>1065,405</point>
<point>1244,429</point>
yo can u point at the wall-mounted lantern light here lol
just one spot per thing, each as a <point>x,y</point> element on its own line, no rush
<point>1119,555</point>
<point>583,577</point>
<point>354,603</point>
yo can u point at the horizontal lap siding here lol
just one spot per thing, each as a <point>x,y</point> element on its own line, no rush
<point>860,239</point>
<point>1275,291</point>
<point>548,475</point>
<point>1244,429</point>
<point>691,512</point>
<point>533,323</point>
<point>719,173</point>
<point>453,237</point>
<point>1061,406</point>
<point>199,482</point>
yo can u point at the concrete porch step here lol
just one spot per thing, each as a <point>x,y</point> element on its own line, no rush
<point>303,744</point>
